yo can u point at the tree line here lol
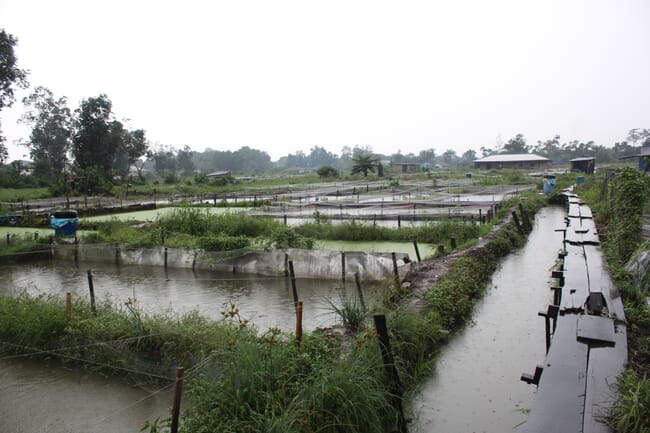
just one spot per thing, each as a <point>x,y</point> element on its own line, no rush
<point>88,148</point>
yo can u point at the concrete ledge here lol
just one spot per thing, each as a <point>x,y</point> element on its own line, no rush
<point>307,263</point>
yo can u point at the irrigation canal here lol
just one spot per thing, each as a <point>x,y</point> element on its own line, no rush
<point>476,387</point>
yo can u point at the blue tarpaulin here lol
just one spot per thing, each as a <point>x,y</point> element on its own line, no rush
<point>64,226</point>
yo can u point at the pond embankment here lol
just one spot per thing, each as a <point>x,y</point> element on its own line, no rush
<point>306,263</point>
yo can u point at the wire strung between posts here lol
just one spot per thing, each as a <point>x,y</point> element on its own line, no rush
<point>101,364</point>
<point>53,351</point>
<point>188,373</point>
<point>27,252</point>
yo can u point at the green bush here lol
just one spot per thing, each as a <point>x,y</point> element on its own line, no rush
<point>223,243</point>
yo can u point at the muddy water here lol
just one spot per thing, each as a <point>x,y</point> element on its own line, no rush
<point>38,397</point>
<point>264,301</point>
<point>476,387</point>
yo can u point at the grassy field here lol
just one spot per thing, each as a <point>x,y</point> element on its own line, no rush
<point>13,195</point>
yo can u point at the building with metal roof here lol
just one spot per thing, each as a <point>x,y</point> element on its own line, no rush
<point>585,164</point>
<point>517,161</point>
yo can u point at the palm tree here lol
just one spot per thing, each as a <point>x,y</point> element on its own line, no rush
<point>364,164</point>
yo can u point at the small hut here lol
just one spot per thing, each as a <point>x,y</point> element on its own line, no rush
<point>644,157</point>
<point>585,164</point>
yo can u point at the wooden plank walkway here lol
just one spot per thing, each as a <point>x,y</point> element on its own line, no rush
<point>588,342</point>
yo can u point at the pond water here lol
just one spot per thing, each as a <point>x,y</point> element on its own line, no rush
<point>45,397</point>
<point>265,301</point>
<point>476,387</point>
<point>36,396</point>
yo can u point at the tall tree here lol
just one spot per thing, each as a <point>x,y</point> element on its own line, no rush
<point>468,157</point>
<point>517,144</point>
<point>319,156</point>
<point>164,160</point>
<point>96,139</point>
<point>184,161</point>
<point>428,155</point>
<point>10,76</point>
<point>133,146</point>
<point>549,149</point>
<point>49,140</point>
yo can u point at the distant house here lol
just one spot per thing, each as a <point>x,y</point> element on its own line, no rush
<point>217,174</point>
<point>644,157</point>
<point>523,161</point>
<point>404,167</point>
<point>26,167</point>
<point>585,164</point>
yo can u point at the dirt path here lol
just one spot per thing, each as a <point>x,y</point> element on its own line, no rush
<point>427,273</point>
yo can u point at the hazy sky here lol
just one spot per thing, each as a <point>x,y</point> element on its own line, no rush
<point>283,76</point>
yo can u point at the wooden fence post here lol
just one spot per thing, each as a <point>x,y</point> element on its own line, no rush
<point>91,289</point>
<point>395,270</point>
<point>343,266</point>
<point>417,250</point>
<point>178,392</point>
<point>516,219</point>
<point>68,305</point>
<point>391,371</point>
<point>298,322</point>
<point>294,290</point>
<point>357,280</point>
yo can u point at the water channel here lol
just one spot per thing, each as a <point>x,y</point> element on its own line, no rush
<point>476,387</point>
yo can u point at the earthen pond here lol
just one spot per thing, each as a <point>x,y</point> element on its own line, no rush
<point>476,387</point>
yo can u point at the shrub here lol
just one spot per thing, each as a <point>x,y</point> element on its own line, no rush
<point>223,243</point>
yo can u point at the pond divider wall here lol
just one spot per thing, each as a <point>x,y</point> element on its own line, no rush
<point>307,263</point>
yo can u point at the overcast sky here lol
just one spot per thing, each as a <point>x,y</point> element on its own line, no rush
<point>283,76</point>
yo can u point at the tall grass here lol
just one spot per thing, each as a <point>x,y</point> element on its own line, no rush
<point>631,413</point>
<point>432,232</point>
<point>350,310</point>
